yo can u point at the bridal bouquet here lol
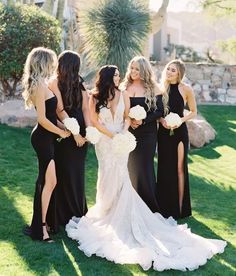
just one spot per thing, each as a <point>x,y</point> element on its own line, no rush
<point>92,134</point>
<point>172,120</point>
<point>123,143</point>
<point>137,112</point>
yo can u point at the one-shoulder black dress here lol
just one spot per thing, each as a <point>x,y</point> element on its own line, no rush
<point>141,160</point>
<point>167,174</point>
<point>43,143</point>
<point>70,169</point>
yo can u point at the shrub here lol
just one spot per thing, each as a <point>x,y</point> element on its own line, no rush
<point>23,27</point>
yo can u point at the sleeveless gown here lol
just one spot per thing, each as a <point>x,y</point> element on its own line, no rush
<point>42,141</point>
<point>121,228</point>
<point>141,160</point>
<point>70,169</point>
<point>167,175</point>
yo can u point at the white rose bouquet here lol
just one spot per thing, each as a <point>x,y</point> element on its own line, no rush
<point>72,125</point>
<point>123,143</point>
<point>137,112</point>
<point>92,134</point>
<point>173,120</point>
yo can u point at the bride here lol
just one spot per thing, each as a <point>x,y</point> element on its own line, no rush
<point>120,227</point>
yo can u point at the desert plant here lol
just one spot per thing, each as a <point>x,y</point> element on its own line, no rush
<point>115,31</point>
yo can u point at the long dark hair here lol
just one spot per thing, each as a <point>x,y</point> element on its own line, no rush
<point>105,87</point>
<point>69,79</point>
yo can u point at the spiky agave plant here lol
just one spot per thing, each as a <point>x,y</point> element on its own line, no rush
<point>114,31</point>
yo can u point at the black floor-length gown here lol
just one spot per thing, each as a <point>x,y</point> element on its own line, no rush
<point>43,143</point>
<point>141,160</point>
<point>70,169</point>
<point>167,174</point>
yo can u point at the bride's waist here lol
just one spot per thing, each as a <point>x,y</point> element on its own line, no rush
<point>114,127</point>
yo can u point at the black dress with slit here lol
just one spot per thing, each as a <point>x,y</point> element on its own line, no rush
<point>141,159</point>
<point>167,174</point>
<point>43,141</point>
<point>70,170</point>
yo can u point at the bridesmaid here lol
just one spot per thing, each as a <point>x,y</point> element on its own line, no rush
<point>172,178</point>
<point>40,65</point>
<point>141,89</point>
<point>70,153</point>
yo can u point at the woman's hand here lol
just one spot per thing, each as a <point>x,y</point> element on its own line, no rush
<point>164,124</point>
<point>136,123</point>
<point>64,133</point>
<point>80,141</point>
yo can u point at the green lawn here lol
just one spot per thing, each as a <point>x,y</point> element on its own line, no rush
<point>213,192</point>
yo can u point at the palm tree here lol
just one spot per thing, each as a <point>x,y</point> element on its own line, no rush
<point>115,31</point>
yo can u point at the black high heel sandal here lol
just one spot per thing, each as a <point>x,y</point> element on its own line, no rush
<point>48,240</point>
<point>27,230</point>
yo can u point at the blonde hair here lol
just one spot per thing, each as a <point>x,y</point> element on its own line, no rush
<point>148,78</point>
<point>40,64</point>
<point>165,85</point>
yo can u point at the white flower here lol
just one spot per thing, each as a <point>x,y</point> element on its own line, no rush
<point>122,144</point>
<point>72,125</point>
<point>137,112</point>
<point>92,134</point>
<point>173,119</point>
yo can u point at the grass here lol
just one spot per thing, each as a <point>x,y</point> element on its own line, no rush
<point>213,192</point>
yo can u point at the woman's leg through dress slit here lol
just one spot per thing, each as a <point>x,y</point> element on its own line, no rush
<point>50,183</point>
<point>43,213</point>
<point>183,180</point>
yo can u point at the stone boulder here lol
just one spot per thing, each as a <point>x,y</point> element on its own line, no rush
<point>13,113</point>
<point>200,131</point>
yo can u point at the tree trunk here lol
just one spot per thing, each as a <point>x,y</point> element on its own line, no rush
<point>5,87</point>
<point>156,22</point>
<point>13,88</point>
<point>60,11</point>
<point>159,17</point>
<point>9,90</point>
<point>48,6</point>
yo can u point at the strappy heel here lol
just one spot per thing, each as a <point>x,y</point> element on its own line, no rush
<point>27,230</point>
<point>48,240</point>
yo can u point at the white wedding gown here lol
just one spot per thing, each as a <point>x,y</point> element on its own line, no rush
<point>121,228</point>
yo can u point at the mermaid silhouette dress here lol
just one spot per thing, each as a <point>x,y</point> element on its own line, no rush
<point>70,168</point>
<point>43,141</point>
<point>121,228</point>
<point>141,160</point>
<point>167,175</point>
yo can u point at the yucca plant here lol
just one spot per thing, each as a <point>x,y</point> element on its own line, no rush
<point>115,31</point>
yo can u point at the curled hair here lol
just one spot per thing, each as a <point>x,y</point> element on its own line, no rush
<point>105,87</point>
<point>40,65</point>
<point>148,78</point>
<point>165,84</point>
<point>69,79</point>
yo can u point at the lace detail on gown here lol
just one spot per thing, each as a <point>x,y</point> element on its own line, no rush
<point>121,228</point>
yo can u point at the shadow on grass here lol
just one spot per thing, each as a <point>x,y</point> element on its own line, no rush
<point>213,201</point>
<point>207,152</point>
<point>38,257</point>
